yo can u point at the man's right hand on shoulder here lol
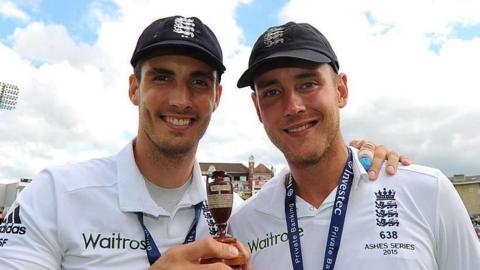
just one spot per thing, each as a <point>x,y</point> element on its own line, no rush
<point>187,257</point>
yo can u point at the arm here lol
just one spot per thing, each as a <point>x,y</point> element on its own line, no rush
<point>30,235</point>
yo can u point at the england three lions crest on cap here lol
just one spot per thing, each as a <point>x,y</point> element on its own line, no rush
<point>184,26</point>
<point>274,36</point>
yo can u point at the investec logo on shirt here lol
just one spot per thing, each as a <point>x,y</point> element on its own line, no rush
<point>111,241</point>
<point>269,240</point>
<point>12,224</point>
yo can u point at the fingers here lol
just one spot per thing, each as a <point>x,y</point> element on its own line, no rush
<point>246,252</point>
<point>188,256</point>
<point>405,161</point>
<point>380,155</point>
<point>212,266</point>
<point>392,163</point>
<point>208,247</point>
<point>357,143</point>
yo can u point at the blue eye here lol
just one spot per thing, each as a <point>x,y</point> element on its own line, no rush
<point>308,85</point>
<point>271,93</point>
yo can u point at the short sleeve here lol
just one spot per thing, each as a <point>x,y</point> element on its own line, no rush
<point>29,232</point>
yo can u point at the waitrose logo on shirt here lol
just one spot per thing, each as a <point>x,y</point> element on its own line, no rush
<point>111,241</point>
<point>269,240</point>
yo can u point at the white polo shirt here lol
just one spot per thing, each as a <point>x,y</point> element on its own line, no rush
<point>83,216</point>
<point>413,220</point>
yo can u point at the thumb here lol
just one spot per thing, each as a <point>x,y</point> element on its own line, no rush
<point>208,247</point>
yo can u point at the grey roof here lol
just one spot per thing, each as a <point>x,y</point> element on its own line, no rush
<point>463,179</point>
<point>227,167</point>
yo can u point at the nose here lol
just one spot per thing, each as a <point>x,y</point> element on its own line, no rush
<point>181,97</point>
<point>293,103</point>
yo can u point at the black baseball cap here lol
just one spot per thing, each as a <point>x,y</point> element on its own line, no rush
<point>177,34</point>
<point>291,41</point>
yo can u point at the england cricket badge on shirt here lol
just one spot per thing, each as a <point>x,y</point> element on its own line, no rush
<point>386,208</point>
<point>386,215</point>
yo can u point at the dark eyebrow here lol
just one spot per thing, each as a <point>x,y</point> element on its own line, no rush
<point>307,74</point>
<point>265,83</point>
<point>156,71</point>
<point>208,75</point>
<point>302,75</point>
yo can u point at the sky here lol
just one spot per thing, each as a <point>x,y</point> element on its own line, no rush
<point>412,69</point>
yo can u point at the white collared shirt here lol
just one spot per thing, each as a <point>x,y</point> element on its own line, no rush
<point>413,220</point>
<point>83,216</point>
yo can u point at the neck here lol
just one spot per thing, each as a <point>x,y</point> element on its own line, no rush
<point>315,182</point>
<point>160,169</point>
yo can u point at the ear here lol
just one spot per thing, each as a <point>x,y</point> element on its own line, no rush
<point>218,95</point>
<point>342,90</point>
<point>133,91</point>
<point>255,103</point>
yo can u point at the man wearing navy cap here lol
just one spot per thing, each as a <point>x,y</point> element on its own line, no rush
<point>322,212</point>
<point>134,210</point>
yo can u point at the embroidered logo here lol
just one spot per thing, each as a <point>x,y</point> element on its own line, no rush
<point>12,224</point>
<point>386,208</point>
<point>274,36</point>
<point>185,27</point>
<point>212,227</point>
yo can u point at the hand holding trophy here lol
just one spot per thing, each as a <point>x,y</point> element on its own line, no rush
<point>220,201</point>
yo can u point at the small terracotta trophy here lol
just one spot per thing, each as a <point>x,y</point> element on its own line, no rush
<point>220,201</point>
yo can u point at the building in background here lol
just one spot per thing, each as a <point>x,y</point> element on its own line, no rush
<point>8,193</point>
<point>468,187</point>
<point>247,181</point>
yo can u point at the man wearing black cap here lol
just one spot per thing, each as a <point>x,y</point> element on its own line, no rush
<point>125,211</point>
<point>322,212</point>
<point>135,209</point>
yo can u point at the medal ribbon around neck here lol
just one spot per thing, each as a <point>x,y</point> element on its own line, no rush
<point>152,250</point>
<point>337,220</point>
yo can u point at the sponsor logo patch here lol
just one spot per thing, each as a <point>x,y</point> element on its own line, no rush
<point>269,240</point>
<point>111,241</point>
<point>12,224</point>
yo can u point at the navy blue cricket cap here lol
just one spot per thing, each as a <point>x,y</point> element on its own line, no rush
<point>284,43</point>
<point>177,34</point>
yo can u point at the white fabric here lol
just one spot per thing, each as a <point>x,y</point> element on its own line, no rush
<point>82,216</point>
<point>433,232</point>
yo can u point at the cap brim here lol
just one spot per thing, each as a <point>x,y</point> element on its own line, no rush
<point>171,44</point>
<point>308,55</point>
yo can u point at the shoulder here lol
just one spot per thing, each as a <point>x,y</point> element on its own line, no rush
<point>417,176</point>
<point>91,173</point>
<point>416,186</point>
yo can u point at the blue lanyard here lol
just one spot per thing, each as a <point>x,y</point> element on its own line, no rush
<point>152,250</point>
<point>336,222</point>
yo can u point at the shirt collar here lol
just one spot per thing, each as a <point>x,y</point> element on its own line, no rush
<point>270,200</point>
<point>134,195</point>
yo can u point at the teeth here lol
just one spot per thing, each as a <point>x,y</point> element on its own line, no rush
<point>297,129</point>
<point>178,122</point>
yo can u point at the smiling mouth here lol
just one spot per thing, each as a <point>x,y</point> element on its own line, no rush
<point>301,128</point>
<point>178,122</point>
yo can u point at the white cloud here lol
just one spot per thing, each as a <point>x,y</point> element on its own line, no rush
<point>73,103</point>
<point>403,94</point>
<point>11,10</point>
<point>51,44</point>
